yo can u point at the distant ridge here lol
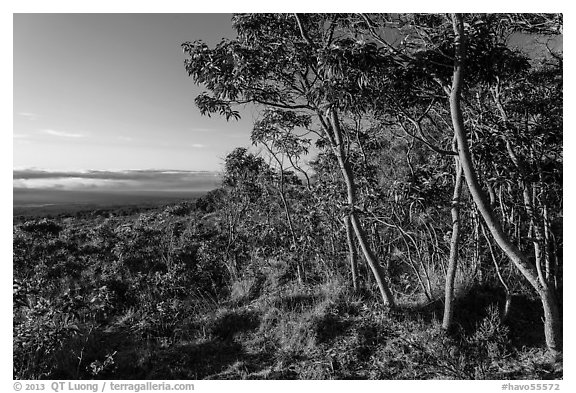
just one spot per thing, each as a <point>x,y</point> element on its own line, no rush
<point>32,202</point>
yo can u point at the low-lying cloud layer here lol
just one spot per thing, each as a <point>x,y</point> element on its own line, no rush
<point>129,180</point>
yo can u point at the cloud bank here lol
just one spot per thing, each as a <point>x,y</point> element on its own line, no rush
<point>129,180</point>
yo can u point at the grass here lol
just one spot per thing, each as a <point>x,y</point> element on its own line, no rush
<point>270,327</point>
<point>327,332</point>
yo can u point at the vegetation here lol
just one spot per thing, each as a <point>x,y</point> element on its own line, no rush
<point>437,159</point>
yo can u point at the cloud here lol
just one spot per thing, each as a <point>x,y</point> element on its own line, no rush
<point>63,134</point>
<point>28,115</point>
<point>21,139</point>
<point>124,138</point>
<point>71,183</point>
<point>197,145</point>
<point>130,180</point>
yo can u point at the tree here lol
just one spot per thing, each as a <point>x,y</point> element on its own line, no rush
<point>275,131</point>
<point>552,323</point>
<point>300,63</point>
<point>245,180</point>
<point>453,259</point>
<point>424,75</point>
<point>429,63</point>
<point>409,98</point>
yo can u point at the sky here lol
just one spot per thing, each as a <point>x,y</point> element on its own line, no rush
<point>109,92</point>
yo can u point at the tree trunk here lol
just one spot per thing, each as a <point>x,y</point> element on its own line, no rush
<point>552,323</point>
<point>508,304</point>
<point>338,148</point>
<point>299,268</point>
<point>373,263</point>
<point>453,260</point>
<point>352,254</point>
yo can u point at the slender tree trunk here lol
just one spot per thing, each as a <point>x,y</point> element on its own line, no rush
<point>338,148</point>
<point>552,323</point>
<point>476,252</point>
<point>528,193</point>
<point>378,245</point>
<point>282,191</point>
<point>492,194</point>
<point>453,260</point>
<point>425,290</point>
<point>332,245</point>
<point>508,304</point>
<point>373,263</point>
<point>553,279</point>
<point>352,254</point>
<point>547,246</point>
